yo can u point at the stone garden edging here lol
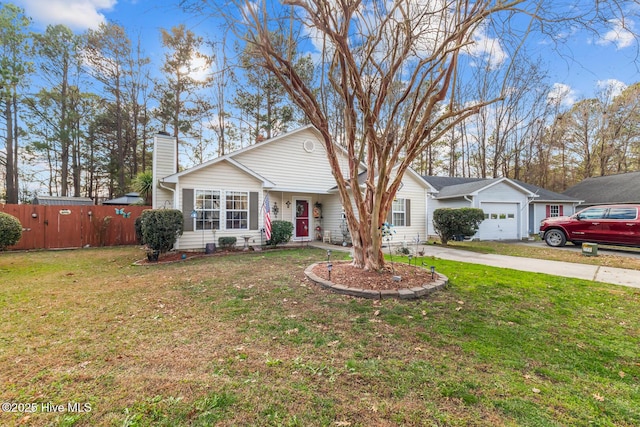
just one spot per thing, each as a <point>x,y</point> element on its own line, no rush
<point>403,293</point>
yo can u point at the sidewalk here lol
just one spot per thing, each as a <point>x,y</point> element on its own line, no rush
<point>616,276</point>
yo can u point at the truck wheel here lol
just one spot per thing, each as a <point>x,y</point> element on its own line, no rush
<point>555,238</point>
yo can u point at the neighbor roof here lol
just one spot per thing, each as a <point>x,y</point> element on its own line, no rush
<point>449,187</point>
<point>621,188</point>
<point>438,182</point>
<point>127,199</point>
<point>547,195</point>
<point>61,201</point>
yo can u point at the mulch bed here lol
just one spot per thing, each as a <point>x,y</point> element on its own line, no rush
<point>343,273</point>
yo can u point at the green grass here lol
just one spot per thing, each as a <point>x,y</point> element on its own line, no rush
<point>246,340</point>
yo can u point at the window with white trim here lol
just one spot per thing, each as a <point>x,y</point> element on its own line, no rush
<point>237,210</point>
<point>207,207</point>
<point>399,213</point>
<point>554,210</point>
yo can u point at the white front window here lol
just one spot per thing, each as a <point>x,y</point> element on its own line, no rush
<point>398,212</point>
<point>207,207</point>
<point>237,210</point>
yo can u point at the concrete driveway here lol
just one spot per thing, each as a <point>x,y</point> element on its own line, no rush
<point>603,249</point>
<point>596,273</point>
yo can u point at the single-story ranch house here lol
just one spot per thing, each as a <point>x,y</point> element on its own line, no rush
<point>225,196</point>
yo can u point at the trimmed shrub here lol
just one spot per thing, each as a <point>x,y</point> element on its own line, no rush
<point>161,228</point>
<point>227,242</point>
<point>281,232</point>
<point>138,227</point>
<point>10,230</point>
<point>456,222</point>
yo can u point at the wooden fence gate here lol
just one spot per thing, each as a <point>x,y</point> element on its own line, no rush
<point>73,226</point>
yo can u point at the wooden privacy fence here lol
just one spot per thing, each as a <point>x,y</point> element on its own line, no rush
<point>73,226</point>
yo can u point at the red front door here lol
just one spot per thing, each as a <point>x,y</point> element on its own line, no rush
<point>302,218</point>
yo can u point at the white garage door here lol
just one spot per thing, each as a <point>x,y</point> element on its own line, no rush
<point>500,221</point>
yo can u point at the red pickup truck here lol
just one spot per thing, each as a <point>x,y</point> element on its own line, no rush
<point>610,224</point>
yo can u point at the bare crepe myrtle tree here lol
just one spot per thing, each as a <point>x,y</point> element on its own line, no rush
<point>393,66</point>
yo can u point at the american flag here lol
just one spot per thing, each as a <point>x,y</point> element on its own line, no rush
<point>267,217</point>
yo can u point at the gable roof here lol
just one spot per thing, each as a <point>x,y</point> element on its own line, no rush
<point>452,187</point>
<point>610,189</point>
<point>238,159</point>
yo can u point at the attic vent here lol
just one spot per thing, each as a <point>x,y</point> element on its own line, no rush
<point>308,146</point>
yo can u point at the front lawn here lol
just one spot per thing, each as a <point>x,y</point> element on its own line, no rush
<point>246,340</point>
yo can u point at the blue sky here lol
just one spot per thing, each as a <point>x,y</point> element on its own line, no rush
<point>596,61</point>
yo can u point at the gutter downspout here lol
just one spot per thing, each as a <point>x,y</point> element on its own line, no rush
<point>173,190</point>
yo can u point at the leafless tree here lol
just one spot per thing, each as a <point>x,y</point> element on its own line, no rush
<point>393,66</point>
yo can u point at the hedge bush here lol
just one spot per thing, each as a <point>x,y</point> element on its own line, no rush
<point>138,227</point>
<point>10,230</point>
<point>161,228</point>
<point>281,232</point>
<point>453,222</point>
<point>227,242</point>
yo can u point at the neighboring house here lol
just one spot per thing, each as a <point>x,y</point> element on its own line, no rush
<point>127,199</point>
<point>513,209</point>
<point>606,190</point>
<point>225,196</point>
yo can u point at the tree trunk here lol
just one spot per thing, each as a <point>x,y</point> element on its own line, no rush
<point>11,182</point>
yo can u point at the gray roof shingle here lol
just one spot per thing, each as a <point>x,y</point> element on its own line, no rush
<point>458,187</point>
<point>611,189</point>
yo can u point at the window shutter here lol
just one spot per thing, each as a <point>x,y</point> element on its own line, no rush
<point>390,214</point>
<point>548,211</point>
<point>561,210</point>
<point>187,207</point>
<point>407,207</point>
<point>254,210</point>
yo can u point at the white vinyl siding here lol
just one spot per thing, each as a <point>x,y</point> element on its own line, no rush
<point>223,177</point>
<point>164,164</point>
<point>291,166</point>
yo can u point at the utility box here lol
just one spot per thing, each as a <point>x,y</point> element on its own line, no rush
<point>590,249</point>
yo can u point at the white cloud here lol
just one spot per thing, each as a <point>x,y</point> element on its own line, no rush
<point>562,94</point>
<point>488,48</point>
<point>610,88</point>
<point>620,35</point>
<point>76,14</point>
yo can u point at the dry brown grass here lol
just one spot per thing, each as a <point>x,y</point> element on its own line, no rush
<point>241,340</point>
